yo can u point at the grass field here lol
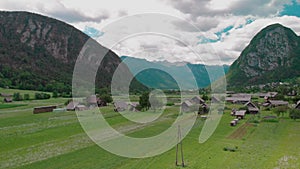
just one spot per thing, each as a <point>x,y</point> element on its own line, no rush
<point>56,140</point>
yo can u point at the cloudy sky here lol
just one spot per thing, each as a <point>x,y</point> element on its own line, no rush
<point>174,30</point>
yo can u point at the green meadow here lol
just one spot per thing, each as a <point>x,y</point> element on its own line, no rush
<point>57,140</point>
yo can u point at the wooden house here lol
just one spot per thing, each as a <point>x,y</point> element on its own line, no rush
<point>238,100</point>
<point>80,107</point>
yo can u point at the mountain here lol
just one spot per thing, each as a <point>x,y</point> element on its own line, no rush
<point>162,75</point>
<point>38,52</point>
<point>273,55</point>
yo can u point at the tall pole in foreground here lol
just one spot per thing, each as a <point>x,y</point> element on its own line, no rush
<point>179,142</point>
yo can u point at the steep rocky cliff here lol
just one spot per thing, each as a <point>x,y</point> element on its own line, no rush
<point>272,55</point>
<point>38,52</point>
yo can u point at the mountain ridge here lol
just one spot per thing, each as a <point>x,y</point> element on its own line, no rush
<point>38,52</point>
<point>271,56</point>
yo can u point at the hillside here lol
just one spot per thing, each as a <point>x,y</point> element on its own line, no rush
<point>273,55</point>
<point>159,74</point>
<point>38,52</point>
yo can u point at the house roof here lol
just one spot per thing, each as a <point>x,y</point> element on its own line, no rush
<point>278,102</point>
<point>197,99</point>
<point>72,105</point>
<point>188,103</point>
<point>234,99</point>
<point>92,99</point>
<point>240,113</point>
<point>120,104</point>
<point>251,106</point>
<point>215,100</point>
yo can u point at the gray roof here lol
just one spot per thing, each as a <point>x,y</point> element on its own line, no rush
<point>240,113</point>
<point>121,104</point>
<point>197,99</point>
<point>278,102</point>
<point>188,103</point>
<point>72,105</point>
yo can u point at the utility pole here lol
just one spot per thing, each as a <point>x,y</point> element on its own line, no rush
<point>179,143</point>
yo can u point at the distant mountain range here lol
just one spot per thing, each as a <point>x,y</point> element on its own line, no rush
<point>38,52</point>
<point>162,75</point>
<point>273,55</point>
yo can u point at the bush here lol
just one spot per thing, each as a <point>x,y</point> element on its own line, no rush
<point>170,104</point>
<point>231,149</point>
<point>42,96</point>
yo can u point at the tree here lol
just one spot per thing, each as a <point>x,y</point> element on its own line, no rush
<point>26,97</point>
<point>295,114</point>
<point>54,94</point>
<point>107,98</point>
<point>144,101</point>
<point>205,97</point>
<point>17,97</point>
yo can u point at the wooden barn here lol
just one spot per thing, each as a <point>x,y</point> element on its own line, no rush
<point>252,108</point>
<point>43,109</point>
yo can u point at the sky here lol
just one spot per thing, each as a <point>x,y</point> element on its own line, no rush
<point>196,31</point>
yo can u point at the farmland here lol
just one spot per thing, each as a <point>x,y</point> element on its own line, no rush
<point>56,140</point>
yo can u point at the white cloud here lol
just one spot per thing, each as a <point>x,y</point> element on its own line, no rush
<point>209,16</point>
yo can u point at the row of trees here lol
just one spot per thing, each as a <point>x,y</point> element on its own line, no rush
<point>37,96</point>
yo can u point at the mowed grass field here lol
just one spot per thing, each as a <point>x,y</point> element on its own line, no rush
<point>56,140</point>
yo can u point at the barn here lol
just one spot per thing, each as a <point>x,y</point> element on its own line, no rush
<point>43,109</point>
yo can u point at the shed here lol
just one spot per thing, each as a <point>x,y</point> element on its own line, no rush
<point>233,123</point>
<point>6,95</point>
<point>101,103</point>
